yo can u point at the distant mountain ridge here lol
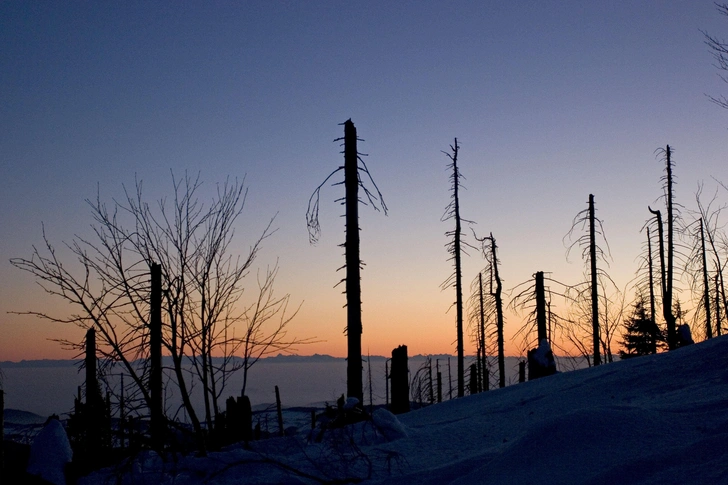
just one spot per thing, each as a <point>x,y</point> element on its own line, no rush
<point>280,358</point>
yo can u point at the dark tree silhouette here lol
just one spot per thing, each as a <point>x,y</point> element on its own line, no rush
<point>592,252</point>
<point>491,309</point>
<point>706,285</point>
<point>353,167</point>
<point>535,297</point>
<point>719,50</point>
<point>203,312</point>
<point>711,239</point>
<point>641,335</point>
<point>455,249</point>
<point>667,245</point>
<point>645,280</point>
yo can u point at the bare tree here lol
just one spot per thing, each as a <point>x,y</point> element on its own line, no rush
<point>644,283</point>
<point>486,305</point>
<point>535,299</point>
<point>591,252</point>
<point>206,320</point>
<point>668,244</point>
<point>455,249</point>
<point>719,50</point>
<point>714,239</point>
<point>353,167</point>
<point>578,329</point>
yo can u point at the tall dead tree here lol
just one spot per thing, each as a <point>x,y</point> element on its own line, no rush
<point>454,248</point>
<point>667,248</point>
<point>651,283</point>
<point>155,358</point>
<point>482,362</point>
<point>706,286</point>
<point>712,234</point>
<point>592,252</point>
<point>353,167</point>
<point>492,308</point>
<point>498,296</point>
<point>541,308</point>
<point>594,288</point>
<point>672,342</point>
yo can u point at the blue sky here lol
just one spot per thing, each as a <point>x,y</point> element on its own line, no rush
<point>551,101</point>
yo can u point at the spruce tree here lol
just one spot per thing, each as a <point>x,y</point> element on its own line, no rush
<point>641,334</point>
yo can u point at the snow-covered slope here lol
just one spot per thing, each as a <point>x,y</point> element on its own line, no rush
<point>658,419</point>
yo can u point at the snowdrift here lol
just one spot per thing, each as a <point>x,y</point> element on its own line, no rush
<point>657,419</point>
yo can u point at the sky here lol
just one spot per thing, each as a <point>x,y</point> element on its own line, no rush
<point>550,102</point>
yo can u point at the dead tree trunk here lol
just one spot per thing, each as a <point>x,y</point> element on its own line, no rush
<point>706,286</point>
<point>594,280</point>
<point>449,377</point>
<point>400,381</point>
<point>670,317</point>
<point>454,248</point>
<point>717,306</point>
<point>2,432</point>
<point>387,378</point>
<point>481,338</point>
<point>498,295</point>
<point>666,284</point>
<point>155,357</point>
<point>279,413</point>
<point>540,307</point>
<point>473,379</point>
<point>650,270</point>
<point>354,385</point>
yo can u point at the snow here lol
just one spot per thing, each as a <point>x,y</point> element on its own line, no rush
<point>649,420</point>
<point>50,452</point>
<point>543,354</point>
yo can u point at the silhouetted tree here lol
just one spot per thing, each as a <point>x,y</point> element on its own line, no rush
<point>535,297</point>
<point>641,335</point>
<point>667,245</point>
<point>591,252</point>
<point>486,303</point>
<point>711,249</point>
<point>203,312</point>
<point>719,50</point>
<point>644,282</point>
<point>353,167</point>
<point>697,270</point>
<point>455,249</point>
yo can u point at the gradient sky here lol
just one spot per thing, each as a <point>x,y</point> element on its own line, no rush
<point>551,101</point>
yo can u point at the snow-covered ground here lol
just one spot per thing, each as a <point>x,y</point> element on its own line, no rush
<point>660,419</point>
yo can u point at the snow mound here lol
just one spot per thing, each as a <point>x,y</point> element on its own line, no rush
<point>388,424</point>
<point>50,453</point>
<point>351,403</point>
<point>657,419</point>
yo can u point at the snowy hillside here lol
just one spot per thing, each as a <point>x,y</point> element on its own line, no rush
<point>658,419</point>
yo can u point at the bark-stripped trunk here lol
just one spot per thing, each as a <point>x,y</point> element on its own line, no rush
<point>717,306</point>
<point>482,364</point>
<point>457,257</point>
<point>540,308</point>
<point>669,316</point>
<point>653,327</point>
<point>155,358</point>
<point>666,287</point>
<point>498,295</point>
<point>706,287</point>
<point>594,289</point>
<point>354,370</point>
